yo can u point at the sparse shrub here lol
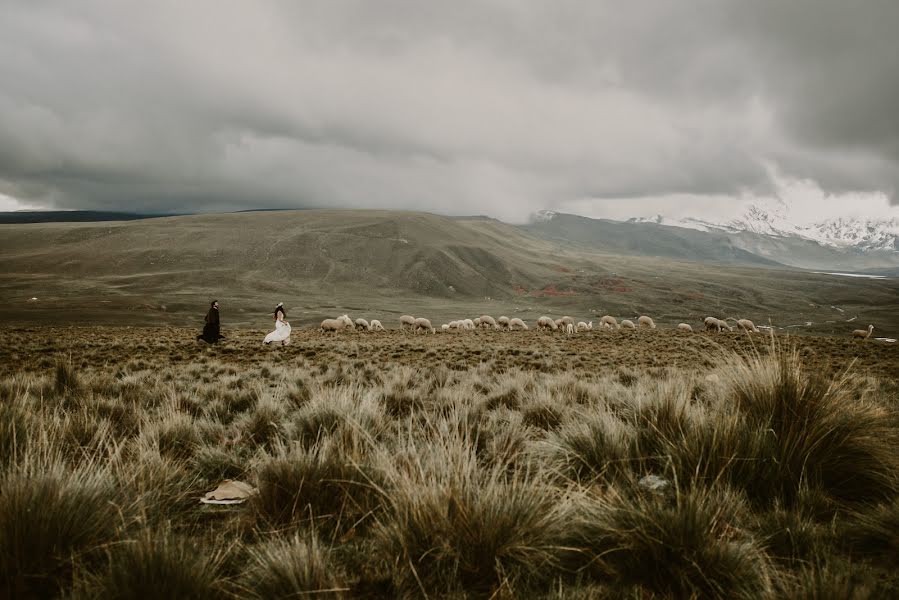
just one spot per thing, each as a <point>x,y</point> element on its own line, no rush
<point>293,568</point>
<point>693,547</point>
<point>50,515</point>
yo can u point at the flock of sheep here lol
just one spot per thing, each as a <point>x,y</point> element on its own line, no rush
<point>563,324</point>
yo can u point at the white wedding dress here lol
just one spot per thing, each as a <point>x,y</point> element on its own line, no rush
<point>280,334</point>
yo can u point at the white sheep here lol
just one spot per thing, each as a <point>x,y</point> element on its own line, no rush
<point>546,323</point>
<point>487,321</point>
<point>684,327</point>
<point>477,321</point>
<point>468,324</point>
<point>581,326</point>
<point>363,324</point>
<point>503,322</point>
<point>515,322</point>
<point>445,327</point>
<point>714,323</point>
<point>747,326</point>
<point>628,324</point>
<point>422,324</point>
<point>375,325</point>
<point>609,322</point>
<point>569,328</point>
<point>407,320</point>
<point>335,325</point>
<point>646,322</point>
<point>863,333</point>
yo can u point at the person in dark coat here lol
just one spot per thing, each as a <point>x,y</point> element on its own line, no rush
<point>212,329</point>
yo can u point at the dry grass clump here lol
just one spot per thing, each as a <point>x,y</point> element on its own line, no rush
<point>821,433</point>
<point>156,564</point>
<point>320,487</point>
<point>452,525</point>
<point>296,567</point>
<point>592,446</point>
<point>49,516</point>
<point>690,548</point>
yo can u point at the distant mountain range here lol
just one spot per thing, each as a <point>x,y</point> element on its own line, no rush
<point>763,234</point>
<point>772,218</point>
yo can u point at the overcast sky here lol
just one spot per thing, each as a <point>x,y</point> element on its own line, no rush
<point>498,107</point>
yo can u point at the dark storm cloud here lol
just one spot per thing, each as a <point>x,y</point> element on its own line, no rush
<point>495,106</point>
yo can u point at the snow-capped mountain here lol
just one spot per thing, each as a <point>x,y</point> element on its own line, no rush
<point>773,219</point>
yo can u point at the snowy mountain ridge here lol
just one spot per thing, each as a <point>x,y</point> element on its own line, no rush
<point>863,234</point>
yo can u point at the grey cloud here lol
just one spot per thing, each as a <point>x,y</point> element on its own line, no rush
<point>493,106</point>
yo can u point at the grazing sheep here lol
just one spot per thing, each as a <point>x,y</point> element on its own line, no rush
<point>517,323</point>
<point>363,325</point>
<point>713,323</point>
<point>546,323</point>
<point>335,325</point>
<point>609,322</point>
<point>476,321</point>
<point>684,327</point>
<point>747,326</point>
<point>567,321</point>
<point>647,322</point>
<point>628,324</point>
<point>422,324</point>
<point>468,324</point>
<point>581,326</point>
<point>445,327</point>
<point>487,322</point>
<point>407,320</point>
<point>569,328</point>
<point>863,333</point>
<point>503,322</point>
<point>375,325</point>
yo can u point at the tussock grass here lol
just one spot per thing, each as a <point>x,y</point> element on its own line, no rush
<point>321,488</point>
<point>692,547</point>
<point>462,466</point>
<point>296,567</point>
<point>157,564</point>
<point>821,433</point>
<point>50,517</point>
<point>452,525</point>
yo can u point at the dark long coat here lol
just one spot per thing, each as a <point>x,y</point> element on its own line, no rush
<point>212,329</point>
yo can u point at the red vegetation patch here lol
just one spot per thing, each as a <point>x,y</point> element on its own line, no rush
<point>612,284</point>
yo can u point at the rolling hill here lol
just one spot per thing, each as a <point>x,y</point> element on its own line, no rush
<point>381,264</point>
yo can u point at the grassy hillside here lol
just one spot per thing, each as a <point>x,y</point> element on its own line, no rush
<point>645,239</point>
<point>380,264</point>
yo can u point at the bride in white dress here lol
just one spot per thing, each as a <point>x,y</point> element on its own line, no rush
<point>282,328</point>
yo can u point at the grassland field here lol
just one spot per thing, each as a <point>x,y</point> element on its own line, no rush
<point>645,464</point>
